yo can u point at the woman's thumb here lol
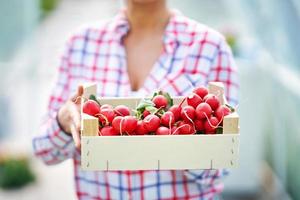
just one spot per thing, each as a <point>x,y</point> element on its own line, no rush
<point>80,90</point>
<point>78,94</point>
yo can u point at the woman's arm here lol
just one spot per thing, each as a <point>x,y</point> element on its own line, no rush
<point>53,145</point>
<point>224,70</point>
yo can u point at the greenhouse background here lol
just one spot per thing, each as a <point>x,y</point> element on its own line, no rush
<point>264,36</point>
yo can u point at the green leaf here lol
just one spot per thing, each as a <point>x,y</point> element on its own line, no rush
<point>200,133</point>
<point>219,130</point>
<point>144,103</point>
<point>170,100</point>
<point>230,107</point>
<point>138,114</point>
<point>155,94</point>
<point>151,109</point>
<point>93,97</point>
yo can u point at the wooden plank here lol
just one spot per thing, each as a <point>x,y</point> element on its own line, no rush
<point>88,89</point>
<point>90,125</point>
<point>160,152</point>
<point>231,124</point>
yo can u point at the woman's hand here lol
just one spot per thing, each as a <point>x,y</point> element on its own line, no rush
<point>69,117</point>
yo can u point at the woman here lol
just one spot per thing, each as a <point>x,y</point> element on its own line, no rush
<point>145,47</point>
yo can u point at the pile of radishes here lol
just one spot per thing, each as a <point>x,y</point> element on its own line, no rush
<point>202,114</point>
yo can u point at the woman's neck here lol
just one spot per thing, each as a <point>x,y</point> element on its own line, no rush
<point>147,16</point>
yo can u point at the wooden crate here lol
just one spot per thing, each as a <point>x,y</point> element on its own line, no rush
<point>152,152</point>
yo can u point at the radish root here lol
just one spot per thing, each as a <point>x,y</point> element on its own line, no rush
<point>105,118</point>
<point>212,126</point>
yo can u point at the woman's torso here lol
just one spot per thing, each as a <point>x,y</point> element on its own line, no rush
<point>97,54</point>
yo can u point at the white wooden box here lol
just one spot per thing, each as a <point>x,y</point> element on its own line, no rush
<point>152,152</point>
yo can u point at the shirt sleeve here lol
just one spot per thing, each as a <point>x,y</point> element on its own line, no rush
<point>53,145</point>
<point>223,69</point>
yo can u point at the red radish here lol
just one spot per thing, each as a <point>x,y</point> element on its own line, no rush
<point>174,130</point>
<point>188,113</point>
<point>210,125</point>
<point>91,107</point>
<point>163,131</point>
<point>130,124</point>
<point>140,129</point>
<point>222,111</point>
<point>212,100</point>
<point>106,116</point>
<point>201,91</point>
<point>194,100</point>
<point>146,113</point>
<point>107,106</point>
<point>199,125</point>
<point>160,101</point>
<point>185,128</point>
<point>203,110</point>
<point>118,124</point>
<point>122,110</point>
<point>176,110</point>
<point>108,131</point>
<point>151,123</point>
<point>167,119</point>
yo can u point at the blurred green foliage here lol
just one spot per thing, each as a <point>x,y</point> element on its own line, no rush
<point>48,5</point>
<point>15,173</point>
<point>232,42</point>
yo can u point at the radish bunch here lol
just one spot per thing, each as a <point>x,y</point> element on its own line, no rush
<point>202,114</point>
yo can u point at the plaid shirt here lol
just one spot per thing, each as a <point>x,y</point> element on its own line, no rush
<point>193,55</point>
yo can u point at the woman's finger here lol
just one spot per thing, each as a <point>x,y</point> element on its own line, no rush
<point>75,116</point>
<point>78,94</point>
<point>75,135</point>
<point>80,90</point>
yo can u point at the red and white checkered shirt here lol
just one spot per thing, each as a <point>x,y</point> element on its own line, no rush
<point>193,55</point>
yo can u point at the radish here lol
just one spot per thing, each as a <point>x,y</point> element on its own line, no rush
<point>118,124</point>
<point>212,100</point>
<point>140,129</point>
<point>201,91</point>
<point>125,124</point>
<point>106,106</point>
<point>221,112</point>
<point>163,131</point>
<point>203,110</point>
<point>130,124</point>
<point>146,113</point>
<point>210,125</point>
<point>174,130</point>
<point>185,128</point>
<point>167,119</point>
<point>194,100</point>
<point>160,101</point>
<point>151,123</point>
<point>91,107</point>
<point>188,114</point>
<point>122,110</point>
<point>108,131</point>
<point>199,125</point>
<point>106,116</point>
<point>176,110</point>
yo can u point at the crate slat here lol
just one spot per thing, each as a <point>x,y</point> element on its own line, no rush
<point>160,152</point>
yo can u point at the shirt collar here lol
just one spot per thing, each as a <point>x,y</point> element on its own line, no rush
<point>120,25</point>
